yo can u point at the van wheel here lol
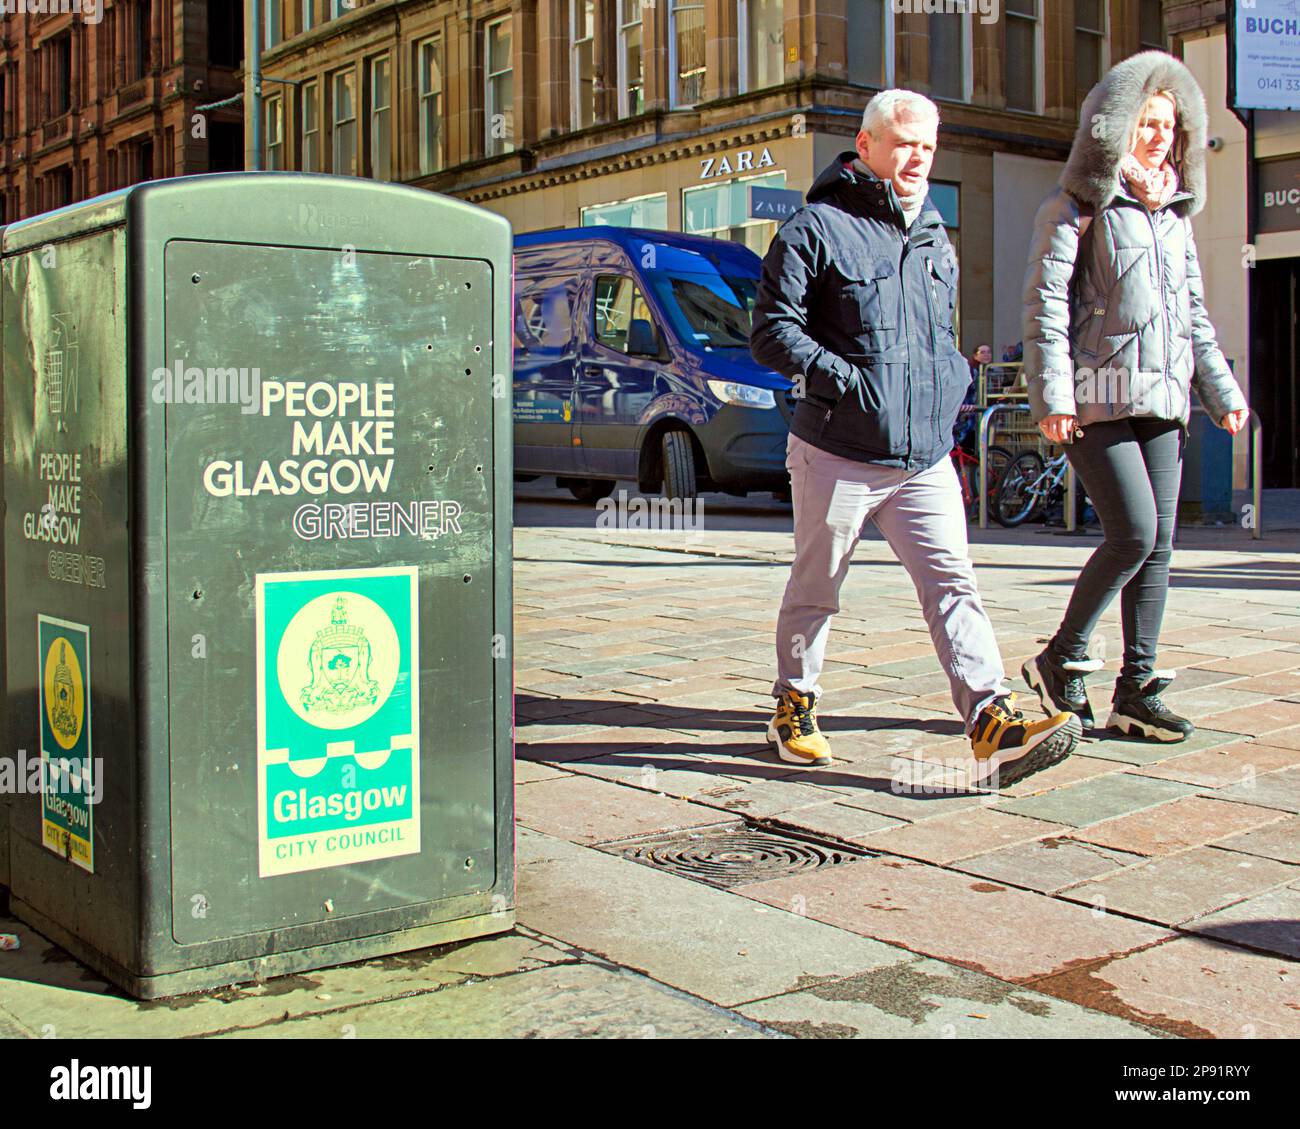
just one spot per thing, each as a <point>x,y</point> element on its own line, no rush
<point>679,466</point>
<point>590,490</point>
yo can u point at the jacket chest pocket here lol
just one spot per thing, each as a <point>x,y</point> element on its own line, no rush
<point>942,281</point>
<point>869,297</point>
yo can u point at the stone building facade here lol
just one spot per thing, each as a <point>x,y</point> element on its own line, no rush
<point>664,113</point>
<point>99,94</point>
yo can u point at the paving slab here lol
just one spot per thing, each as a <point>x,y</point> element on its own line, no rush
<point>584,810</point>
<point>571,1001</point>
<point>1237,763</point>
<point>1270,922</point>
<point>1012,934</point>
<point>1136,750</point>
<point>51,995</point>
<point>1048,865</point>
<point>927,999</point>
<point>958,835</point>
<point>1097,799</point>
<point>1191,987</point>
<point>839,821</point>
<point>1279,790</point>
<point>712,943</point>
<point>1192,821</point>
<point>1267,717</point>
<point>1181,887</point>
<point>1280,841</point>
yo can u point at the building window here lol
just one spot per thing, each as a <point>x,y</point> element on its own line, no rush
<point>631,61</point>
<point>225,33</point>
<point>1151,25</point>
<point>343,124</point>
<point>499,92</point>
<point>381,119</point>
<point>639,211</point>
<point>686,53</point>
<point>582,61</point>
<point>307,15</point>
<point>1089,46</point>
<point>4,112</point>
<point>273,24</point>
<point>762,37</point>
<point>341,8</point>
<point>58,55</point>
<point>139,54</point>
<point>871,42</point>
<point>429,68</point>
<point>950,55</point>
<point>309,118</point>
<point>722,211</point>
<point>1021,64</point>
<point>273,109</point>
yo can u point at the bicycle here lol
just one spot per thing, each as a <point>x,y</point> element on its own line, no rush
<point>1031,487</point>
<point>968,473</point>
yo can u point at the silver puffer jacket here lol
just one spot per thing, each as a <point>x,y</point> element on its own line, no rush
<point>1121,330</point>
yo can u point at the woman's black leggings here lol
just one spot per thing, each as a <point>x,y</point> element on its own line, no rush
<point>1131,470</point>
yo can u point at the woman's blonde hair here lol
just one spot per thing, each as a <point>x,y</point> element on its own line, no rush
<point>1179,146</point>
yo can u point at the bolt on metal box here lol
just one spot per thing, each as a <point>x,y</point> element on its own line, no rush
<point>257,484</point>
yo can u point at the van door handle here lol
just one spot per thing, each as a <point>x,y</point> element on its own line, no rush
<point>593,370</point>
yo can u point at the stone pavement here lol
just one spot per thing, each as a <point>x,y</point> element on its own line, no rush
<point>1134,891</point>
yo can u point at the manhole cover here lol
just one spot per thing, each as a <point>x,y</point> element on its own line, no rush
<point>732,857</point>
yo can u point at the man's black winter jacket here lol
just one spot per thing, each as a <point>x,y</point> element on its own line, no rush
<point>858,313</point>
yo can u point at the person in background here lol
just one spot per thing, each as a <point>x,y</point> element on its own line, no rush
<point>1116,338</point>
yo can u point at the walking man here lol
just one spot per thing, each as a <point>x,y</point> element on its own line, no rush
<point>855,306</point>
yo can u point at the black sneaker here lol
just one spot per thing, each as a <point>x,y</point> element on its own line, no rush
<point>1136,709</point>
<point>1059,683</point>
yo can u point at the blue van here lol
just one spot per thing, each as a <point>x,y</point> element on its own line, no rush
<point>632,363</point>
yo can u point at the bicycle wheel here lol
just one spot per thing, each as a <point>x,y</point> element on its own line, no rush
<point>1018,497</point>
<point>999,459</point>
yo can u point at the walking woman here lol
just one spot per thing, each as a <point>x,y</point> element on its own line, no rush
<point>1116,334</point>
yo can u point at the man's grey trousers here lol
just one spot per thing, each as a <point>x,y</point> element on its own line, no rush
<point>921,515</point>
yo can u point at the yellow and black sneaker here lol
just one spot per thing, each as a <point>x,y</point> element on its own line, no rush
<point>1007,746</point>
<point>793,730</point>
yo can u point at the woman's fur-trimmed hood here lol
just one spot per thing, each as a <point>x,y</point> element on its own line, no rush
<point>1111,110</point>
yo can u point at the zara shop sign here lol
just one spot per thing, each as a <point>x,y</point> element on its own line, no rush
<point>713,167</point>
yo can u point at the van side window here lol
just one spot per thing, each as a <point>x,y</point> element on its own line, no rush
<point>619,302</point>
<point>544,313</point>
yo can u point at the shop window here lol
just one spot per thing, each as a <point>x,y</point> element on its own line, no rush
<point>722,211</point>
<point>639,211</point>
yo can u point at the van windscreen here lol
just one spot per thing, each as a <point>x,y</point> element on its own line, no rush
<point>710,308</point>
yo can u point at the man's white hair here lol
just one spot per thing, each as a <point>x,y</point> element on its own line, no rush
<point>889,105</point>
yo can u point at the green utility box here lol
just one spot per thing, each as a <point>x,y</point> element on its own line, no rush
<point>257,478</point>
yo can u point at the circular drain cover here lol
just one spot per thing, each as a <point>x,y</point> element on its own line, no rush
<point>732,858</point>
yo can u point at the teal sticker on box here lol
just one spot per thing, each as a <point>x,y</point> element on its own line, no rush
<point>67,765</point>
<point>338,709</point>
